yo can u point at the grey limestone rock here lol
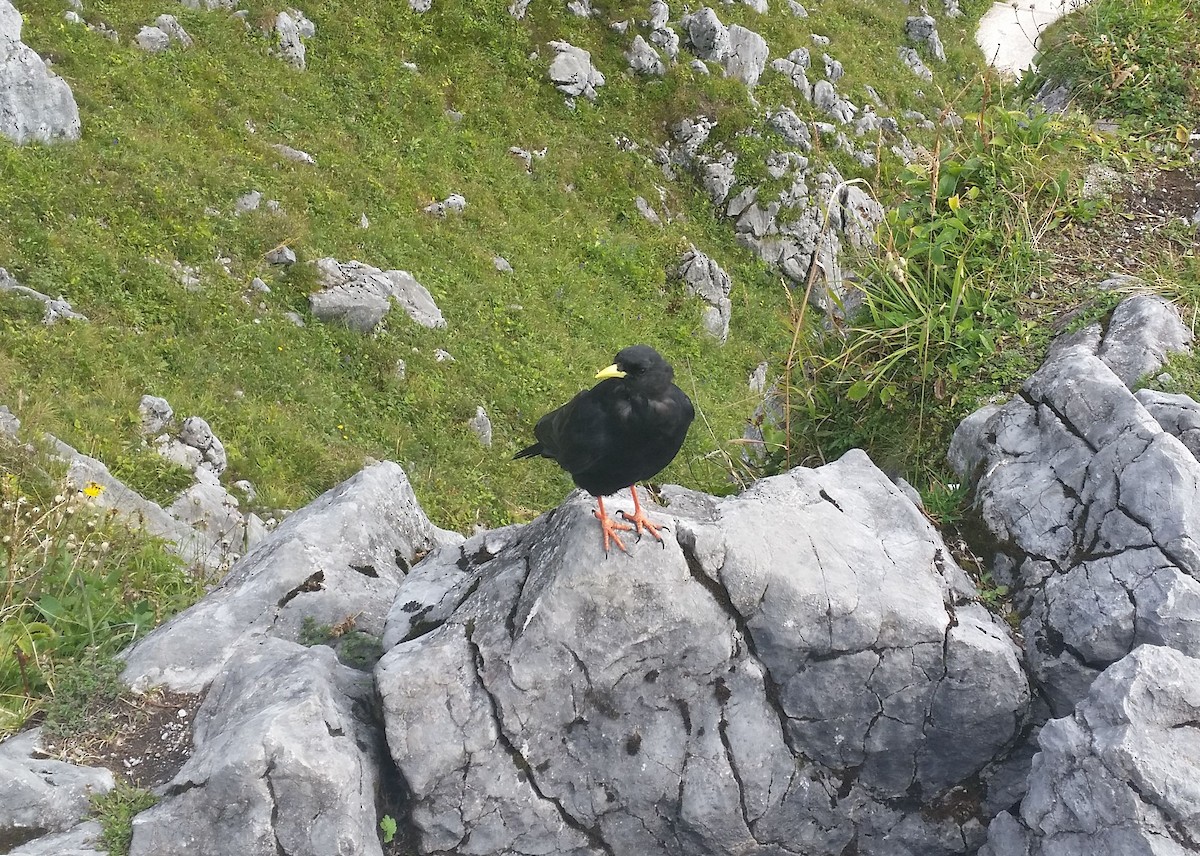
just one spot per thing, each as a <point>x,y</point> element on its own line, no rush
<point>156,414</point>
<point>198,434</point>
<point>922,30</point>
<point>281,762</point>
<point>291,28</point>
<point>795,72</point>
<point>704,278</point>
<point>692,133</point>
<point>359,296</point>
<point>281,256</point>
<point>776,678</point>
<point>969,445</point>
<point>342,555</point>
<point>913,60</point>
<point>792,128</point>
<point>856,215</point>
<point>1095,511</point>
<point>644,59</point>
<point>797,9</point>
<point>170,25</point>
<point>481,426</point>
<point>833,68</point>
<point>1178,415</point>
<point>1117,775</point>
<point>718,177</point>
<point>660,13</point>
<point>572,72</point>
<point>826,98</point>
<point>36,105</point>
<point>177,452</point>
<point>83,839</point>
<point>39,795</point>
<point>706,35</point>
<point>747,55</point>
<point>56,308</point>
<point>152,40</point>
<point>647,210</point>
<point>247,202</point>
<point>209,5</point>
<point>10,425</point>
<point>214,511</point>
<point>1143,332</point>
<point>288,153</point>
<point>191,546</point>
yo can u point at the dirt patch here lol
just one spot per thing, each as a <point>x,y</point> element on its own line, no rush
<point>143,739</point>
<point>1147,218</point>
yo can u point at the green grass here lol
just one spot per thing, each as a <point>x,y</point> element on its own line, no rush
<point>115,811</point>
<point>77,587</point>
<point>1134,61</point>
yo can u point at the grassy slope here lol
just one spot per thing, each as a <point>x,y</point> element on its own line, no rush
<point>167,150</point>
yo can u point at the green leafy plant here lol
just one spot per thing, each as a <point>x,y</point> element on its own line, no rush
<point>939,298</point>
<point>115,810</point>
<point>387,824</point>
<point>77,586</point>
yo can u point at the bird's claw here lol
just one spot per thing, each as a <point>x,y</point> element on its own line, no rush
<point>609,529</point>
<point>642,523</point>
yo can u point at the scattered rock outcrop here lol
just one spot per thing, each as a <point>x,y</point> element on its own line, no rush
<point>280,737</point>
<point>343,555</point>
<point>705,279</point>
<point>291,29</point>
<point>1094,507</point>
<point>359,296</point>
<point>787,672</point>
<point>1119,774</point>
<point>572,72</point>
<point>39,795</point>
<point>56,308</point>
<point>36,105</point>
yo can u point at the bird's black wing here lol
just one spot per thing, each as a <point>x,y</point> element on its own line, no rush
<point>579,434</point>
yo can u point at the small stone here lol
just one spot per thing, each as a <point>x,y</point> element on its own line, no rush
<point>281,256</point>
<point>482,426</point>
<point>152,40</point>
<point>156,414</point>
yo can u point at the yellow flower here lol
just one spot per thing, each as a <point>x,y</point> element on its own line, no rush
<point>953,202</point>
<point>93,490</point>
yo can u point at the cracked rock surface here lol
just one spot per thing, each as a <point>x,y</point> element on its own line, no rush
<point>281,764</point>
<point>1119,775</point>
<point>799,669</point>
<point>1093,504</point>
<point>342,555</point>
<point>358,296</point>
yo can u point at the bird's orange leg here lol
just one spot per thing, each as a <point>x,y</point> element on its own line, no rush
<point>609,527</point>
<point>640,520</point>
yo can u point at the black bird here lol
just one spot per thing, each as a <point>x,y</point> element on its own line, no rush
<point>620,432</point>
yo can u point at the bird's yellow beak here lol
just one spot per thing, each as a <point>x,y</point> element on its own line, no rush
<point>611,371</point>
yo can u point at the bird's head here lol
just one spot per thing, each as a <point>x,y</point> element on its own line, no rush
<point>641,365</point>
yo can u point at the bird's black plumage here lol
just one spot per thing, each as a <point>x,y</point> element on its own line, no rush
<point>623,430</point>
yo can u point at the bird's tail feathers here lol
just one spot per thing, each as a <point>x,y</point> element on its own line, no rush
<point>529,451</point>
